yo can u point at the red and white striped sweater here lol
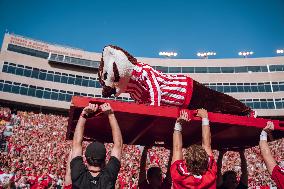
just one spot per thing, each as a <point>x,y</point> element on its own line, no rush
<point>149,86</point>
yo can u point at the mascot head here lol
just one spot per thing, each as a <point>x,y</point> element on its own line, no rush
<point>115,70</point>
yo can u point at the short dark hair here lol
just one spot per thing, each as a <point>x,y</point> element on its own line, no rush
<point>228,173</point>
<point>153,171</point>
<point>196,159</point>
<point>95,162</point>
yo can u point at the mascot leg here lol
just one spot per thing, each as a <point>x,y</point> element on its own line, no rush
<point>214,101</point>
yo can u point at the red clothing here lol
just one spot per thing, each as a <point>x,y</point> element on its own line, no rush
<point>68,186</point>
<point>149,86</point>
<point>278,176</point>
<point>181,178</point>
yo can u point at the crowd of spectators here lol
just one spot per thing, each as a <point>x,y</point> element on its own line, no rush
<point>36,155</point>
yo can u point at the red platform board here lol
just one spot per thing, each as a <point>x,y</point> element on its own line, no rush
<point>147,125</point>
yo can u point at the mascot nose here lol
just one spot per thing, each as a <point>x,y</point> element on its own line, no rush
<point>108,91</point>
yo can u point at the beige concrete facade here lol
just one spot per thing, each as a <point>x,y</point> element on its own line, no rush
<point>41,63</point>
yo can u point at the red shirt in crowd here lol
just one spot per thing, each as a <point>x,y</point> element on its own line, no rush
<point>181,178</point>
<point>278,176</point>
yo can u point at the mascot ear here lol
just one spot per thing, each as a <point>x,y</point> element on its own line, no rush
<point>116,73</point>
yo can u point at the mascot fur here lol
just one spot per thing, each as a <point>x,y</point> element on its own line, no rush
<point>120,72</point>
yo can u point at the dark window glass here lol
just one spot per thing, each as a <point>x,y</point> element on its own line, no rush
<point>39,93</point>
<point>278,105</point>
<point>53,56</point>
<point>214,70</point>
<point>263,105</point>
<point>267,88</point>
<point>162,69</point>
<point>247,88</point>
<point>68,97</point>
<point>1,86</point>
<point>234,89</point>
<point>240,88</point>
<point>270,105</point>
<point>254,88</point>
<point>256,105</point>
<point>27,51</point>
<point>67,59</point>
<point>54,95</point>
<point>241,69</point>
<point>42,75</point>
<point>227,89</point>
<point>5,68</point>
<point>12,69</point>
<point>92,83</point>
<point>35,73</point>
<point>31,91</point>
<point>7,87</point>
<point>275,87</point>
<point>281,87</point>
<point>264,68</point>
<point>46,94</point>
<point>78,80</point>
<point>261,88</point>
<point>98,85</point>
<point>61,97</point>
<point>254,68</point>
<point>56,78</point>
<point>220,88</point>
<point>187,69</point>
<point>64,79</point>
<point>16,89</point>
<point>200,70</point>
<point>60,58</point>
<point>174,69</point>
<point>23,90</point>
<point>227,69</point>
<point>85,82</point>
<point>71,80</point>
<point>19,71</point>
<point>49,77</point>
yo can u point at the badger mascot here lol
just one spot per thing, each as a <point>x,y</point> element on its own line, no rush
<point>120,72</point>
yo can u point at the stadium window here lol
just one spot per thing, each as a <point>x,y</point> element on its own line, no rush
<point>254,87</point>
<point>187,69</point>
<point>71,79</point>
<point>213,87</point>
<point>85,81</point>
<point>83,94</point>
<point>278,68</point>
<point>241,69</point>
<point>270,104</point>
<point>60,58</point>
<point>98,85</point>
<point>35,73</point>
<point>11,69</point>
<point>16,88</point>
<point>92,83</point>
<point>98,96</point>
<point>42,74</point>
<point>162,69</point>
<point>32,90</point>
<point>91,95</point>
<point>261,87</point>
<point>267,88</point>
<point>78,80</point>
<point>233,88</point>
<point>7,86</point>
<point>278,103</point>
<point>240,88</point>
<point>227,89</point>
<point>272,68</point>
<point>220,88</point>
<point>281,87</point>
<point>64,78</point>
<point>214,70</point>
<point>275,87</point>
<point>256,105</point>
<point>68,97</point>
<point>88,63</point>
<point>24,89</point>
<point>54,94</point>
<point>1,84</point>
<point>254,68</point>
<point>62,96</point>
<point>20,70</point>
<point>53,56</point>
<point>227,70</point>
<point>67,59</point>
<point>76,94</point>
<point>247,87</point>
<point>263,68</point>
<point>174,69</point>
<point>200,69</point>
<point>5,67</point>
<point>263,104</point>
<point>27,51</point>
<point>49,76</point>
<point>39,92</point>
<point>95,64</point>
<point>57,77</point>
<point>46,93</point>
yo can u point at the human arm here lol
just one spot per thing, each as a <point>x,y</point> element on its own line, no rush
<point>244,175</point>
<point>177,136</point>
<point>79,131</point>
<point>67,180</point>
<point>206,133</point>
<point>264,148</point>
<point>116,133</point>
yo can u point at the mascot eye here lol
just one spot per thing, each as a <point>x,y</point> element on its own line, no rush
<point>105,76</point>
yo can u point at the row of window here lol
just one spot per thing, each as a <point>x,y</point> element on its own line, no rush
<point>74,61</point>
<point>165,69</point>
<point>53,57</point>
<point>240,69</point>
<point>61,95</point>
<point>264,103</point>
<point>46,93</point>
<point>42,74</point>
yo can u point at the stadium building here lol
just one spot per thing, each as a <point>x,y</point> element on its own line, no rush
<point>41,74</point>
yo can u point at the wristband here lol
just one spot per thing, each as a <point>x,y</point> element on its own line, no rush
<point>263,135</point>
<point>178,127</point>
<point>85,116</point>
<point>205,121</point>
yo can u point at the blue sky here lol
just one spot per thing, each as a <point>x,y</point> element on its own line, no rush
<point>146,27</point>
